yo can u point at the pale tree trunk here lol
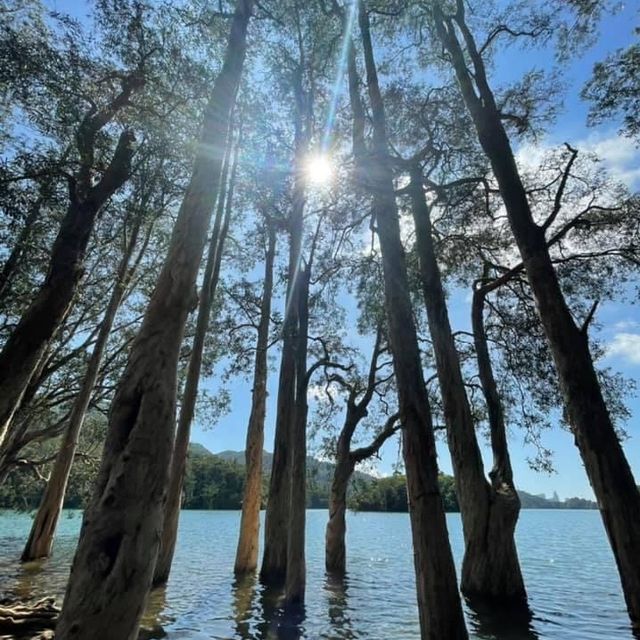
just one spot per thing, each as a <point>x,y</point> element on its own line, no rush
<point>490,567</point>
<point>248,541</point>
<point>296,567</point>
<point>189,396</point>
<point>113,566</point>
<point>439,606</point>
<point>29,340</point>
<point>274,560</point>
<point>10,266</point>
<point>46,520</point>
<point>595,436</point>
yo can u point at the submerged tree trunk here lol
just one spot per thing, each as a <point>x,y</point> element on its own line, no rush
<point>114,562</point>
<point>335,548</point>
<point>296,566</point>
<point>27,343</point>
<point>248,541</point>
<point>439,605</point>
<point>274,561</point>
<point>604,460</point>
<point>490,567</point>
<point>46,520</point>
<point>189,396</point>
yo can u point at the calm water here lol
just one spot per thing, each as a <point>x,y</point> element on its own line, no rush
<point>573,587</point>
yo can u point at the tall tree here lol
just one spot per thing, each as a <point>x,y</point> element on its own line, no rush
<point>114,563</point>
<point>603,457</point>
<point>247,551</point>
<point>189,396</point>
<point>490,567</point>
<point>439,604</point>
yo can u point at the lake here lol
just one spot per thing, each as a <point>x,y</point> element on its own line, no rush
<point>573,587</point>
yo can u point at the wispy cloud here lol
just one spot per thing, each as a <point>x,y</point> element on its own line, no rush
<point>626,346</point>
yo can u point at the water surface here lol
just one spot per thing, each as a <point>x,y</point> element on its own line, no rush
<point>573,587</point>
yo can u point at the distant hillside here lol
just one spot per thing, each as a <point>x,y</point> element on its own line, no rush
<point>320,473</point>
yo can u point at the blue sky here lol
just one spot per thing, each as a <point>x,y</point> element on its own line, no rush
<point>621,322</point>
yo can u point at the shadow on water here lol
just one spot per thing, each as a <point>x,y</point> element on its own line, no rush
<point>508,623</point>
<point>336,588</point>
<point>155,616</point>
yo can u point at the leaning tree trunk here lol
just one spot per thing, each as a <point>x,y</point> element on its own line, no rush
<point>595,436</point>
<point>490,568</point>
<point>439,606</point>
<point>114,562</point>
<point>46,520</point>
<point>248,541</point>
<point>27,343</point>
<point>335,548</point>
<point>296,567</point>
<point>274,560</point>
<point>189,396</point>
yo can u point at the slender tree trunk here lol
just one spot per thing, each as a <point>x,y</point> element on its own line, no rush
<point>604,460</point>
<point>335,548</point>
<point>247,551</point>
<point>439,605</point>
<point>45,522</point>
<point>10,266</point>
<point>490,567</point>
<point>24,348</point>
<point>296,566</point>
<point>274,560</point>
<point>113,566</point>
<point>187,410</point>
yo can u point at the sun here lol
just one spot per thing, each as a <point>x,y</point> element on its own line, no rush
<point>319,170</point>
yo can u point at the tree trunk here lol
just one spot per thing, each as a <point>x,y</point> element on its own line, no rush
<point>247,551</point>
<point>274,560</point>
<point>296,566</point>
<point>490,567</point>
<point>24,348</point>
<point>46,520</point>
<point>335,548</point>
<point>115,559</point>
<point>11,264</point>
<point>604,460</point>
<point>439,605</point>
<point>187,410</point>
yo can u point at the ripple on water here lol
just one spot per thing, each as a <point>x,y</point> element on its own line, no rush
<point>569,571</point>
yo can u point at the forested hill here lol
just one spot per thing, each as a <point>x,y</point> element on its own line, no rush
<point>215,481</point>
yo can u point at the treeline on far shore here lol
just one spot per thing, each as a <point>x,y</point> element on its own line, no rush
<point>214,482</point>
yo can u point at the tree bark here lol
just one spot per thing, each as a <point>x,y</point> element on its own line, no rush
<point>439,605</point>
<point>189,396</point>
<point>274,560</point>
<point>248,541</point>
<point>45,522</point>
<point>26,345</point>
<point>335,547</point>
<point>490,568</point>
<point>604,460</point>
<point>115,559</point>
<point>296,566</point>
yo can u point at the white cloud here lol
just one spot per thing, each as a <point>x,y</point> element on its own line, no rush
<point>625,346</point>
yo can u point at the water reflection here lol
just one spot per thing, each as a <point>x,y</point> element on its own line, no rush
<point>339,613</point>
<point>510,623</point>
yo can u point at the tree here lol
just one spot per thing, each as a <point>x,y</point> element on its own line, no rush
<point>247,551</point>
<point>604,460</point>
<point>438,604</point>
<point>115,559</point>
